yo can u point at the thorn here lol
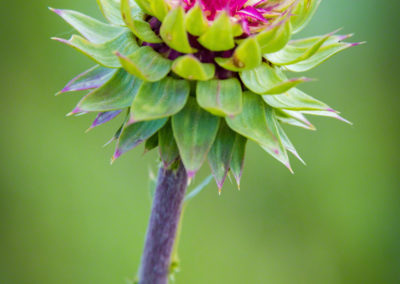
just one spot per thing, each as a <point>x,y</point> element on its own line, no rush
<point>343,37</point>
<point>89,129</point>
<point>108,142</point>
<point>190,179</point>
<point>131,120</point>
<point>117,154</point>
<point>191,174</point>
<point>60,40</point>
<point>57,11</point>
<point>219,191</point>
<point>74,111</point>
<point>357,43</point>
<point>290,168</point>
<point>331,110</point>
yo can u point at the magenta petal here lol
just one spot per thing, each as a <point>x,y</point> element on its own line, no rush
<point>252,13</point>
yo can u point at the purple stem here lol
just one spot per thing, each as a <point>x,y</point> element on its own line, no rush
<point>164,220</point>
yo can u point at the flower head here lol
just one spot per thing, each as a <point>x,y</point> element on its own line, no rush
<point>197,79</point>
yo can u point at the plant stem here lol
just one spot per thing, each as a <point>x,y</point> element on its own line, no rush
<point>164,220</point>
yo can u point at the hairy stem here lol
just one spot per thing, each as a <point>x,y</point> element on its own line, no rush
<point>164,220</point>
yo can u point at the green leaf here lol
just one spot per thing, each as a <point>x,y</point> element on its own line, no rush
<point>160,99</point>
<point>134,134</point>
<point>219,36</point>
<point>276,36</point>
<point>247,56</point>
<point>195,21</point>
<point>220,97</point>
<point>297,50</point>
<point>134,19</point>
<point>302,14</point>
<point>189,67</point>
<point>194,131</point>
<point>151,143</point>
<point>273,125</point>
<point>173,31</point>
<point>198,189</point>
<point>294,99</point>
<point>323,54</point>
<point>268,80</point>
<point>103,53</point>
<point>294,118</point>
<point>93,78</point>
<point>117,93</point>
<point>237,161</point>
<point>252,123</point>
<point>146,64</point>
<point>169,152</point>
<point>92,29</point>
<point>220,154</point>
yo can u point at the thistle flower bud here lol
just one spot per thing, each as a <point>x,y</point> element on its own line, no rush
<point>198,78</point>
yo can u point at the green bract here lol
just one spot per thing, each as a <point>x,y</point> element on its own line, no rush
<point>197,79</point>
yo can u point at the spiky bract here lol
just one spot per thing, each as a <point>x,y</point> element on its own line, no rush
<point>197,79</point>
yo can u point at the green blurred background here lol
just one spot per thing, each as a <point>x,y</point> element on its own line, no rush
<point>67,216</point>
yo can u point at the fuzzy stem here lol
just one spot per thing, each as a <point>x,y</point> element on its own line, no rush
<point>164,220</point>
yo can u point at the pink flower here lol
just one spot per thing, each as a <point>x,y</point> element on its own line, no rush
<point>249,13</point>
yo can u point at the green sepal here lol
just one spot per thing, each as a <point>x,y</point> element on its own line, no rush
<point>168,149</point>
<point>146,64</point>
<point>276,36</point>
<point>117,93</point>
<point>268,80</point>
<point>220,97</point>
<point>173,31</point>
<point>151,143</point>
<point>246,57</point>
<point>294,118</point>
<point>273,125</point>
<point>160,8</point>
<point>134,134</point>
<point>327,113</point>
<point>288,144</point>
<point>134,19</point>
<point>189,67</point>
<point>237,161</point>
<point>90,79</point>
<point>219,36</point>
<point>323,54</point>
<point>92,29</point>
<point>252,123</point>
<point>302,14</point>
<point>103,53</point>
<point>159,99</point>
<point>220,154</point>
<point>145,5</point>
<point>297,50</point>
<point>195,21</point>
<point>294,99</point>
<point>237,30</point>
<point>194,131</point>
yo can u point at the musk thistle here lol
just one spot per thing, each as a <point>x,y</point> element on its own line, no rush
<point>198,78</point>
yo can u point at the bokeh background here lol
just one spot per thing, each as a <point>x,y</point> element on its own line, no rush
<point>68,217</point>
